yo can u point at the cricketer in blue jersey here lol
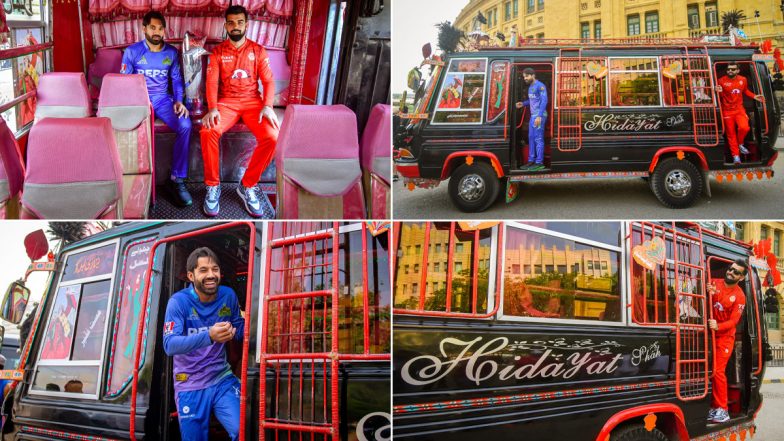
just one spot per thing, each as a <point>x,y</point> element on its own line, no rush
<point>159,62</point>
<point>200,320</point>
<point>537,101</point>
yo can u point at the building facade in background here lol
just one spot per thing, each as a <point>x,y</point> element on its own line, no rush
<point>573,19</point>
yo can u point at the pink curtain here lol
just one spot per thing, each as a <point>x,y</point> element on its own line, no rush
<point>280,8</point>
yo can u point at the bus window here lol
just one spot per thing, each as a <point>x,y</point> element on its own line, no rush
<point>586,87</point>
<point>549,275</point>
<point>462,93</point>
<point>72,347</point>
<point>634,82</point>
<point>454,268</point>
<point>686,81</point>
<point>499,80</point>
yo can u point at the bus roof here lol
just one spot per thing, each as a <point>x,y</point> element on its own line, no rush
<point>711,41</point>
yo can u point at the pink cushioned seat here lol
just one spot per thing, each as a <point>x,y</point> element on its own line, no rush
<point>11,172</point>
<point>125,102</point>
<point>73,170</point>
<point>106,61</point>
<point>62,95</point>
<point>376,148</point>
<point>317,159</point>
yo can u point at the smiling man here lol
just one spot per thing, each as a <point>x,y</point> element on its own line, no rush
<point>200,320</point>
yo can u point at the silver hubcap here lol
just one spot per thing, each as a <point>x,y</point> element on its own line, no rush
<point>677,183</point>
<point>471,188</point>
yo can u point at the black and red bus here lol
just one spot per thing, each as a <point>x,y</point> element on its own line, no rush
<point>617,109</point>
<point>567,330</point>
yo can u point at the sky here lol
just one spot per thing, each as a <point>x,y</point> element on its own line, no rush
<point>413,25</point>
<point>14,262</point>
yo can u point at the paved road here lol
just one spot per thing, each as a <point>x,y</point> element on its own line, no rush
<point>770,424</point>
<point>605,199</point>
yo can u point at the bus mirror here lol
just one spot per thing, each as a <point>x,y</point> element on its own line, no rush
<point>15,302</point>
<point>427,51</point>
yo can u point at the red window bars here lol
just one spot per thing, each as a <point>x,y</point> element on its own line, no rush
<point>668,289</point>
<point>439,268</point>
<point>582,82</point>
<point>686,81</point>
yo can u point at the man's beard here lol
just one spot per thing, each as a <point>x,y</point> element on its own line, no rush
<point>236,37</point>
<point>732,75</point>
<point>199,285</point>
<point>728,280</point>
<point>150,40</point>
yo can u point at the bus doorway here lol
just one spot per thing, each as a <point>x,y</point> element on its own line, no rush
<point>233,248</point>
<point>521,117</point>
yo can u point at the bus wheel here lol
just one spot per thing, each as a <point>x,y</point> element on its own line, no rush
<point>638,432</point>
<point>676,183</point>
<point>474,187</point>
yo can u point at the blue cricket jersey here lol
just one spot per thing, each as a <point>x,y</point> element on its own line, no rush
<point>157,68</point>
<point>537,99</point>
<point>198,362</point>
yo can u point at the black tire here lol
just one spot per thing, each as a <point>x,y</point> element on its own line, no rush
<point>473,188</point>
<point>676,183</point>
<point>637,432</point>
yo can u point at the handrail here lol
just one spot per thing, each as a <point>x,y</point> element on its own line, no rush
<point>24,50</point>
<point>16,101</point>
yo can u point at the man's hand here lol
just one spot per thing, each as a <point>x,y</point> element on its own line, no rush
<point>538,121</point>
<point>759,98</point>
<point>519,105</point>
<point>211,119</point>
<point>222,332</point>
<point>713,325</point>
<point>268,113</point>
<point>718,88</point>
<point>180,110</point>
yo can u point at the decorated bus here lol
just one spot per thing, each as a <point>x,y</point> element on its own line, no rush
<point>613,109</point>
<point>89,132</point>
<point>313,360</point>
<point>583,331</point>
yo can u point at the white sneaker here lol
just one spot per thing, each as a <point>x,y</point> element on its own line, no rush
<point>721,416</point>
<point>712,413</point>
<point>743,150</point>
<point>250,196</point>
<point>212,200</point>
<point>736,160</point>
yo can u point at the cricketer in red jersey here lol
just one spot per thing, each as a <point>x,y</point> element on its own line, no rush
<point>731,88</point>
<point>728,302</point>
<point>233,73</point>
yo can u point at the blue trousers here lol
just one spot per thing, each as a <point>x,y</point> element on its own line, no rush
<point>164,109</point>
<point>536,141</point>
<point>194,409</point>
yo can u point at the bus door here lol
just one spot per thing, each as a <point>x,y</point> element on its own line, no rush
<point>757,112</point>
<point>521,117</point>
<point>668,289</point>
<point>313,326</point>
<point>235,247</point>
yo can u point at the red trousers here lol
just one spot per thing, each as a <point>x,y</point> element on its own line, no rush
<point>724,348</point>
<point>231,110</point>
<point>736,124</point>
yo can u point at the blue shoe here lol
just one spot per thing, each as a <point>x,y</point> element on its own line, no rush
<point>712,414</point>
<point>181,196</point>
<point>721,416</point>
<point>250,197</point>
<point>212,200</point>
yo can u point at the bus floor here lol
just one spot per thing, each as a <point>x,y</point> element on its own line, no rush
<point>231,206</point>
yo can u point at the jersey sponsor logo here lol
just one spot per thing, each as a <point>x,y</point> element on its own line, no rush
<point>167,61</point>
<point>224,311</point>
<point>194,331</point>
<point>152,73</point>
<point>142,60</point>
<point>227,58</point>
<point>186,409</point>
<point>251,56</point>
<point>194,315</point>
<point>181,377</point>
<point>239,73</point>
<point>168,328</point>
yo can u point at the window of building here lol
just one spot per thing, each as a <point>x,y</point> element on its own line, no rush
<point>507,11</point>
<point>597,29</point>
<point>562,290</point>
<point>651,22</point>
<point>634,82</point>
<point>777,242</point>
<point>462,93</point>
<point>539,5</point>
<point>437,267</point>
<point>416,268</point>
<point>711,14</point>
<point>633,24</point>
<point>763,232</point>
<point>71,357</point>
<point>585,30</point>
<point>772,321</point>
<point>531,7</point>
<point>693,14</point>
<point>515,9</point>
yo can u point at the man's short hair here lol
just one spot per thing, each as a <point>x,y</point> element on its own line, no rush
<point>153,14</point>
<point>742,263</point>
<point>193,259</point>
<point>236,9</point>
<point>529,71</point>
<point>733,63</point>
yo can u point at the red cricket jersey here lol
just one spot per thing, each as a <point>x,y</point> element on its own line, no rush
<point>728,303</point>
<point>731,94</point>
<point>235,73</point>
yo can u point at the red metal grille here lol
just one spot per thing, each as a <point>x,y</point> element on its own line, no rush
<point>569,104</point>
<point>673,294</point>
<point>694,88</point>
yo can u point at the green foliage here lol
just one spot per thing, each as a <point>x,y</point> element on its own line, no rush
<point>449,37</point>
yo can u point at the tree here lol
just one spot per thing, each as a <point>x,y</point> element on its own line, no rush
<point>449,37</point>
<point>66,232</point>
<point>733,18</point>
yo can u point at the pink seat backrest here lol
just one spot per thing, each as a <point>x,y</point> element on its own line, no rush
<point>281,71</point>
<point>11,164</point>
<point>62,95</point>
<point>124,100</point>
<point>106,61</point>
<point>376,145</point>
<point>67,159</point>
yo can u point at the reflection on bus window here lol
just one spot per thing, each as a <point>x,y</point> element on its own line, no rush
<point>457,265</point>
<point>634,82</point>
<point>686,81</point>
<point>553,277</point>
